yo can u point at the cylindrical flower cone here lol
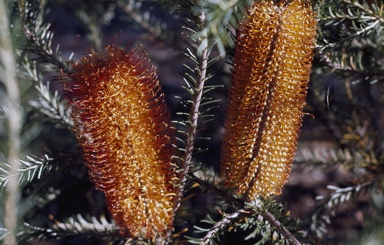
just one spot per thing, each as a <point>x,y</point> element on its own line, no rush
<point>272,64</point>
<point>123,126</point>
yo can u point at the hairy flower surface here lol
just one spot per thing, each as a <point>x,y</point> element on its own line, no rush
<point>272,64</point>
<point>123,125</point>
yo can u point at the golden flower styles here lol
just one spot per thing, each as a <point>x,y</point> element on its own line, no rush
<point>123,126</point>
<point>272,64</point>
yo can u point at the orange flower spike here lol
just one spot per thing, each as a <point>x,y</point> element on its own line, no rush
<point>272,65</point>
<point>123,126</point>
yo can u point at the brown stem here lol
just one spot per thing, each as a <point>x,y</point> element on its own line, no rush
<point>274,222</point>
<point>194,115</point>
<point>228,219</point>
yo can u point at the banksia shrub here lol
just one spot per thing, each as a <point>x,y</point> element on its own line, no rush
<point>267,94</point>
<point>114,105</point>
<point>123,126</point>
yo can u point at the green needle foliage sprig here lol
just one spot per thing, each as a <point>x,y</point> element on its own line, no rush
<point>191,43</point>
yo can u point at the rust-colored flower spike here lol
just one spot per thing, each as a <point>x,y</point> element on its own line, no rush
<point>123,126</point>
<point>272,65</point>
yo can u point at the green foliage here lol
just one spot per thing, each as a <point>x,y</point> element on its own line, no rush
<point>322,216</point>
<point>92,230</point>
<point>38,167</point>
<point>220,17</point>
<point>57,201</point>
<point>146,19</point>
<point>40,37</point>
<point>349,32</point>
<point>51,105</point>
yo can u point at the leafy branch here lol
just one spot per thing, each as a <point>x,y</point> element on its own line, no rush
<point>27,171</point>
<point>92,229</point>
<point>34,167</point>
<point>262,219</point>
<point>321,218</point>
<point>40,36</point>
<point>145,19</point>
<point>328,157</point>
<point>284,224</point>
<point>348,27</point>
<point>217,228</point>
<point>196,88</point>
<point>364,21</point>
<point>221,16</point>
<point>103,12</point>
<point>51,105</point>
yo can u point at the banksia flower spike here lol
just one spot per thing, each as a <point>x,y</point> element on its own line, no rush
<point>272,64</point>
<point>123,126</point>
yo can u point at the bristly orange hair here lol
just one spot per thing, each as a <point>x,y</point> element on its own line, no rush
<point>272,64</point>
<point>123,126</point>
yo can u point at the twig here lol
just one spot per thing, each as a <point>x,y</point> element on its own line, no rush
<point>194,115</point>
<point>235,216</point>
<point>32,35</point>
<point>275,223</point>
<point>222,193</point>
<point>367,10</point>
<point>131,8</point>
<point>220,225</point>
